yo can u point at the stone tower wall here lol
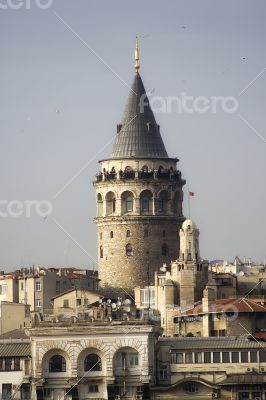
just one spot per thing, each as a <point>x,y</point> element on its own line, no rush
<point>152,236</point>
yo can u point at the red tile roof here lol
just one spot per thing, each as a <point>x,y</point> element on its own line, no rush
<point>242,305</point>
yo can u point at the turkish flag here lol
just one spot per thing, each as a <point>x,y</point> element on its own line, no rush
<point>191,194</point>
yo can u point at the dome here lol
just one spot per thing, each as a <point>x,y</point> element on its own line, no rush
<point>189,224</point>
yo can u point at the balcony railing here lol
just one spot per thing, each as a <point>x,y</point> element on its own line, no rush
<point>141,175</point>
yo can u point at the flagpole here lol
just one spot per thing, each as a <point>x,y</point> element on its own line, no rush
<point>188,199</point>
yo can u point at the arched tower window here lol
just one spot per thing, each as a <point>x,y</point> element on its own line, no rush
<point>145,168</point>
<point>99,205</point>
<point>146,201</point>
<point>164,250</point>
<point>128,233</point>
<point>177,202</point>
<point>101,251</point>
<point>129,250</point>
<point>92,363</point>
<point>162,201</point>
<point>57,363</point>
<point>111,234</point>
<point>127,202</point>
<point>110,203</point>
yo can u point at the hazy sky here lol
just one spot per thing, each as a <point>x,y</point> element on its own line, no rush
<point>60,104</point>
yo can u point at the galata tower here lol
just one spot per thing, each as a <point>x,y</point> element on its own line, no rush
<point>139,199</point>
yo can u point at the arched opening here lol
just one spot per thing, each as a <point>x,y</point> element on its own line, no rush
<point>111,234</point>
<point>146,198</point>
<point>99,205</point>
<point>129,173</point>
<point>110,203</point>
<point>125,358</point>
<point>57,363</point>
<point>163,202</point>
<point>92,362</point>
<point>129,250</point>
<point>101,251</point>
<point>127,202</point>
<point>177,203</point>
<point>145,169</point>
<point>128,233</point>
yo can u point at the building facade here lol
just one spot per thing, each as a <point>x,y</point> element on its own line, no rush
<point>100,360</point>
<point>139,199</point>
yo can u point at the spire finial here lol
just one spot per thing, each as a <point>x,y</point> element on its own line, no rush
<point>137,65</point>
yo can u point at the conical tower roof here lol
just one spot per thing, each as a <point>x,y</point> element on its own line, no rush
<point>138,135</point>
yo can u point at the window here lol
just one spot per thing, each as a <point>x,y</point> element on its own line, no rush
<point>244,356</point>
<point>145,168</point>
<point>163,233</point>
<point>225,357</point>
<point>147,297</point>
<point>93,388</point>
<point>38,303</point>
<point>57,364</point>
<point>110,203</point>
<point>146,232</point>
<point>38,286</point>
<point>235,357</point>
<point>253,357</point>
<point>146,201</point>
<point>179,358</point>
<point>57,286</point>
<point>111,234</point>
<point>164,250</point>
<point>145,204</point>
<point>8,364</point>
<point>16,364</point>
<point>133,359</point>
<point>78,302</point>
<point>6,391</point>
<point>66,303</point>
<point>128,233</point>
<point>101,251</point>
<point>207,357</point>
<point>216,357</point>
<point>3,289</point>
<point>129,204</point>
<point>1,364</point>
<point>191,387</point>
<point>129,250</point>
<point>113,205</point>
<point>162,201</point>
<point>92,363</point>
<point>22,285</point>
<point>188,358</point>
<point>100,205</point>
<point>163,372</point>
<point>198,358</point>
<point>262,356</point>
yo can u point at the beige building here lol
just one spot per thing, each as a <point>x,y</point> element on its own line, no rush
<point>139,199</point>
<point>102,360</point>
<point>15,366</point>
<point>224,317</point>
<point>14,316</point>
<point>205,368</point>
<point>9,288</point>
<point>39,286</point>
<point>74,302</point>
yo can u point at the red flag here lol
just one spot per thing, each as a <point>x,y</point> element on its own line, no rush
<point>191,194</point>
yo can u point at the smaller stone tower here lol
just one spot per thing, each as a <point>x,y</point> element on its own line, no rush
<point>190,271</point>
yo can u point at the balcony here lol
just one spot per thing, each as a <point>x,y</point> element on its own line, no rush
<point>165,175</point>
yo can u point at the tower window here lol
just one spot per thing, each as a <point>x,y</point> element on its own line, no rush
<point>129,250</point>
<point>101,251</point>
<point>110,203</point>
<point>164,250</point>
<point>129,204</point>
<point>101,235</point>
<point>146,201</point>
<point>111,234</point>
<point>128,233</point>
<point>163,233</point>
<point>113,201</point>
<point>146,232</point>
